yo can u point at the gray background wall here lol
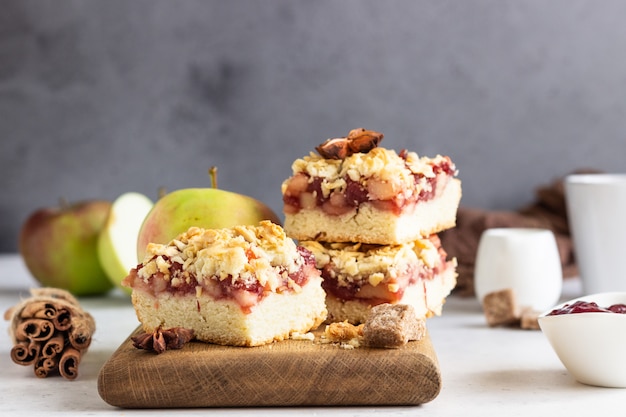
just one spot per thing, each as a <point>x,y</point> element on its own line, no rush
<point>102,97</point>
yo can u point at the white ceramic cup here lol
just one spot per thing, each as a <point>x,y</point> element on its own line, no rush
<point>596,207</point>
<point>524,259</point>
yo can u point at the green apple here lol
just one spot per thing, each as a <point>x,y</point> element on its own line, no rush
<point>117,243</point>
<point>59,247</point>
<point>209,208</point>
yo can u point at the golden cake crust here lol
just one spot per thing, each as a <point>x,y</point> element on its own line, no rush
<point>223,322</point>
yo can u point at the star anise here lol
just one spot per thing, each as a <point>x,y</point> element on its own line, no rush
<point>162,339</point>
<point>358,140</point>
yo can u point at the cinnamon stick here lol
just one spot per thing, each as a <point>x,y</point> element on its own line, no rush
<point>63,319</point>
<point>46,366</point>
<point>68,364</point>
<point>39,309</point>
<point>25,353</point>
<point>79,335</point>
<point>53,346</point>
<point>51,332</point>
<point>34,329</point>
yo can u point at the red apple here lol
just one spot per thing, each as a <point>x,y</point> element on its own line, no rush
<point>59,247</point>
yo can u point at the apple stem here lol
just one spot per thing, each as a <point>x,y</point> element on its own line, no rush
<point>213,175</point>
<point>161,192</point>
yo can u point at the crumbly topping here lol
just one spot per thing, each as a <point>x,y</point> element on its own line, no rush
<point>353,262</point>
<point>244,253</point>
<point>302,336</point>
<point>379,163</point>
<point>343,331</point>
<point>347,335</point>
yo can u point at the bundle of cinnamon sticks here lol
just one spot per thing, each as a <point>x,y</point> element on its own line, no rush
<point>50,331</point>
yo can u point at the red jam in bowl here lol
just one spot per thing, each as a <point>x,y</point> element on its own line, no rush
<point>587,307</point>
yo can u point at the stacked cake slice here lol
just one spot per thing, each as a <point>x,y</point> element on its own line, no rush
<point>371,217</point>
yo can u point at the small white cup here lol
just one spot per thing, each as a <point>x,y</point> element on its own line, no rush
<point>524,259</point>
<point>596,207</point>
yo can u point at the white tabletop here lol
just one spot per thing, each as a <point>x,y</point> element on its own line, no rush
<point>484,370</point>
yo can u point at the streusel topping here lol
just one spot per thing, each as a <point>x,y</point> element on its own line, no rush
<point>245,253</point>
<point>352,262</point>
<point>379,163</point>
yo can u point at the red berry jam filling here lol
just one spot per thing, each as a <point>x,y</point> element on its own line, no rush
<point>246,293</point>
<point>364,291</point>
<point>588,307</point>
<point>305,192</point>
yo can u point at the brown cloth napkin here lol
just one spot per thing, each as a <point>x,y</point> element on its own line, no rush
<point>548,211</point>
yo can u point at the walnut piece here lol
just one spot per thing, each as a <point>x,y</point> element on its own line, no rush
<point>161,340</point>
<point>358,140</point>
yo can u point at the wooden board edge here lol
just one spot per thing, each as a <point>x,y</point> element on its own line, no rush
<point>288,373</point>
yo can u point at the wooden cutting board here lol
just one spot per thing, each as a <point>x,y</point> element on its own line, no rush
<point>288,373</point>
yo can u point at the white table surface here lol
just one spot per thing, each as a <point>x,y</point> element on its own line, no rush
<point>485,371</point>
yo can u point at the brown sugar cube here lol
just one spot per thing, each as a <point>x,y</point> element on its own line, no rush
<point>392,325</point>
<point>500,308</point>
<point>529,319</point>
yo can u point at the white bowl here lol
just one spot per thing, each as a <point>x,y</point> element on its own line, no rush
<point>590,345</point>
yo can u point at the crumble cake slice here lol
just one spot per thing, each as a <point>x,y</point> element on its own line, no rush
<point>241,286</point>
<point>358,276</point>
<point>369,194</point>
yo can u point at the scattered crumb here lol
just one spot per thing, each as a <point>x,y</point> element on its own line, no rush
<point>343,333</point>
<point>349,345</point>
<point>303,336</point>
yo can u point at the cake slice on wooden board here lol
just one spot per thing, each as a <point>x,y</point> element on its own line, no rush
<point>369,194</point>
<point>359,276</point>
<point>241,286</point>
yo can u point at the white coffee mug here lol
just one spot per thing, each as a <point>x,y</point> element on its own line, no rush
<point>596,207</point>
<point>525,260</point>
